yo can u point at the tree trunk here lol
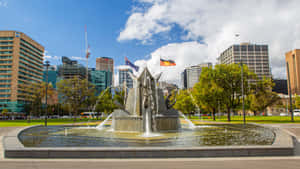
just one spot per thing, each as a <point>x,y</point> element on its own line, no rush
<point>254,112</point>
<point>228,115</point>
<point>214,114</point>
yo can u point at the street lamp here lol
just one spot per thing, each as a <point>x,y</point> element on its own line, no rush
<point>243,98</point>
<point>47,64</point>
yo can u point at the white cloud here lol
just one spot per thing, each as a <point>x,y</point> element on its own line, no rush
<point>116,79</point>
<point>78,58</point>
<point>215,22</point>
<point>48,56</point>
<point>185,54</point>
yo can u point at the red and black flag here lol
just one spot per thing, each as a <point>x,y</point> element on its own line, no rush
<point>167,62</point>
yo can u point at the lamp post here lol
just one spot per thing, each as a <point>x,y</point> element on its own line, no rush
<point>242,85</point>
<point>243,98</point>
<point>290,92</point>
<point>47,64</point>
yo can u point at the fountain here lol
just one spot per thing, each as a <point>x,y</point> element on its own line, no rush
<point>146,110</point>
<point>147,126</point>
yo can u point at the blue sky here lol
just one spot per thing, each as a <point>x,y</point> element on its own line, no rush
<point>187,31</point>
<point>59,26</point>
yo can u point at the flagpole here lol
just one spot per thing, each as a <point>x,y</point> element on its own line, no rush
<point>87,57</point>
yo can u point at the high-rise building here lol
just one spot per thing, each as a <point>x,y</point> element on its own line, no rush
<point>70,69</point>
<point>183,79</point>
<point>105,64</point>
<point>292,58</point>
<point>52,75</point>
<point>21,64</point>
<point>192,74</point>
<point>280,86</point>
<point>255,56</point>
<point>125,77</point>
<point>100,78</point>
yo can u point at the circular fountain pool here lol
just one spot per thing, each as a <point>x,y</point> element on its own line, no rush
<point>208,135</point>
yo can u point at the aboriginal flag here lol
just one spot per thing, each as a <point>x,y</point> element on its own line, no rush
<point>167,62</point>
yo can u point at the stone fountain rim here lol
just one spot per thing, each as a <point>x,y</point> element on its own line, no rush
<point>13,148</point>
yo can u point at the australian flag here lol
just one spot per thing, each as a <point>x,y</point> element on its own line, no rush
<point>127,62</point>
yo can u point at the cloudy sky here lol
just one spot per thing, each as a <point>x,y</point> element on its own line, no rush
<point>187,31</point>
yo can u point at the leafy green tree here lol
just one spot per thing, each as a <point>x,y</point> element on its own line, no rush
<point>119,97</point>
<point>4,112</point>
<point>263,97</point>
<point>207,92</point>
<point>75,92</point>
<point>297,102</point>
<point>105,102</point>
<point>228,78</point>
<point>184,102</point>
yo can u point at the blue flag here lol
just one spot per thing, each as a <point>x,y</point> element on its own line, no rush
<point>127,62</point>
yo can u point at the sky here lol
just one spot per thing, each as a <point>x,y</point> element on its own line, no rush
<point>187,31</point>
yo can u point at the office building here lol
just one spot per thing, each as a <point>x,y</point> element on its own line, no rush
<point>70,69</point>
<point>191,75</point>
<point>105,64</point>
<point>100,78</point>
<point>52,75</point>
<point>125,77</point>
<point>255,56</point>
<point>292,59</point>
<point>21,64</point>
<point>280,86</point>
<point>183,79</point>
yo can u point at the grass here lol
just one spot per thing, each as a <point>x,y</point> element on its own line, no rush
<point>20,123</point>
<point>203,120</point>
<point>252,119</point>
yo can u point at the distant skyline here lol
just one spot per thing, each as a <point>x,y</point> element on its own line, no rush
<point>187,31</point>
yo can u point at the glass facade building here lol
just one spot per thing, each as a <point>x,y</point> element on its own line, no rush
<point>101,79</point>
<point>52,75</point>
<point>125,77</point>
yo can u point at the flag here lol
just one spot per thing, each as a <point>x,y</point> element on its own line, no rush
<point>167,62</point>
<point>127,62</point>
<point>88,52</point>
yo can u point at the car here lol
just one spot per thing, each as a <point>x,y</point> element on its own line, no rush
<point>296,113</point>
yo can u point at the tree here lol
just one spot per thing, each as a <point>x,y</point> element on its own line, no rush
<point>119,97</point>
<point>105,102</point>
<point>228,78</point>
<point>75,92</point>
<point>263,97</point>
<point>297,102</point>
<point>4,113</point>
<point>184,102</point>
<point>207,92</point>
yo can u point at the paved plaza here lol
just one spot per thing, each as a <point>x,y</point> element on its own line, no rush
<point>199,163</point>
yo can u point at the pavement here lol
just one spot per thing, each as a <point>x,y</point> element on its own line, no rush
<point>292,162</point>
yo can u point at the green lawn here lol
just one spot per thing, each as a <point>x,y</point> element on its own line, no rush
<point>234,119</point>
<point>252,119</point>
<point>17,123</point>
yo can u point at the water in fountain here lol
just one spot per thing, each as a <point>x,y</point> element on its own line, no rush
<point>101,125</point>
<point>190,123</point>
<point>148,131</point>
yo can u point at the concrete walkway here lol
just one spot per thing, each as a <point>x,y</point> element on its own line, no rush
<point>206,163</point>
<point>187,163</point>
<point>4,131</point>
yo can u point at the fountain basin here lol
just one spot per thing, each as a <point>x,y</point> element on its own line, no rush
<point>132,147</point>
